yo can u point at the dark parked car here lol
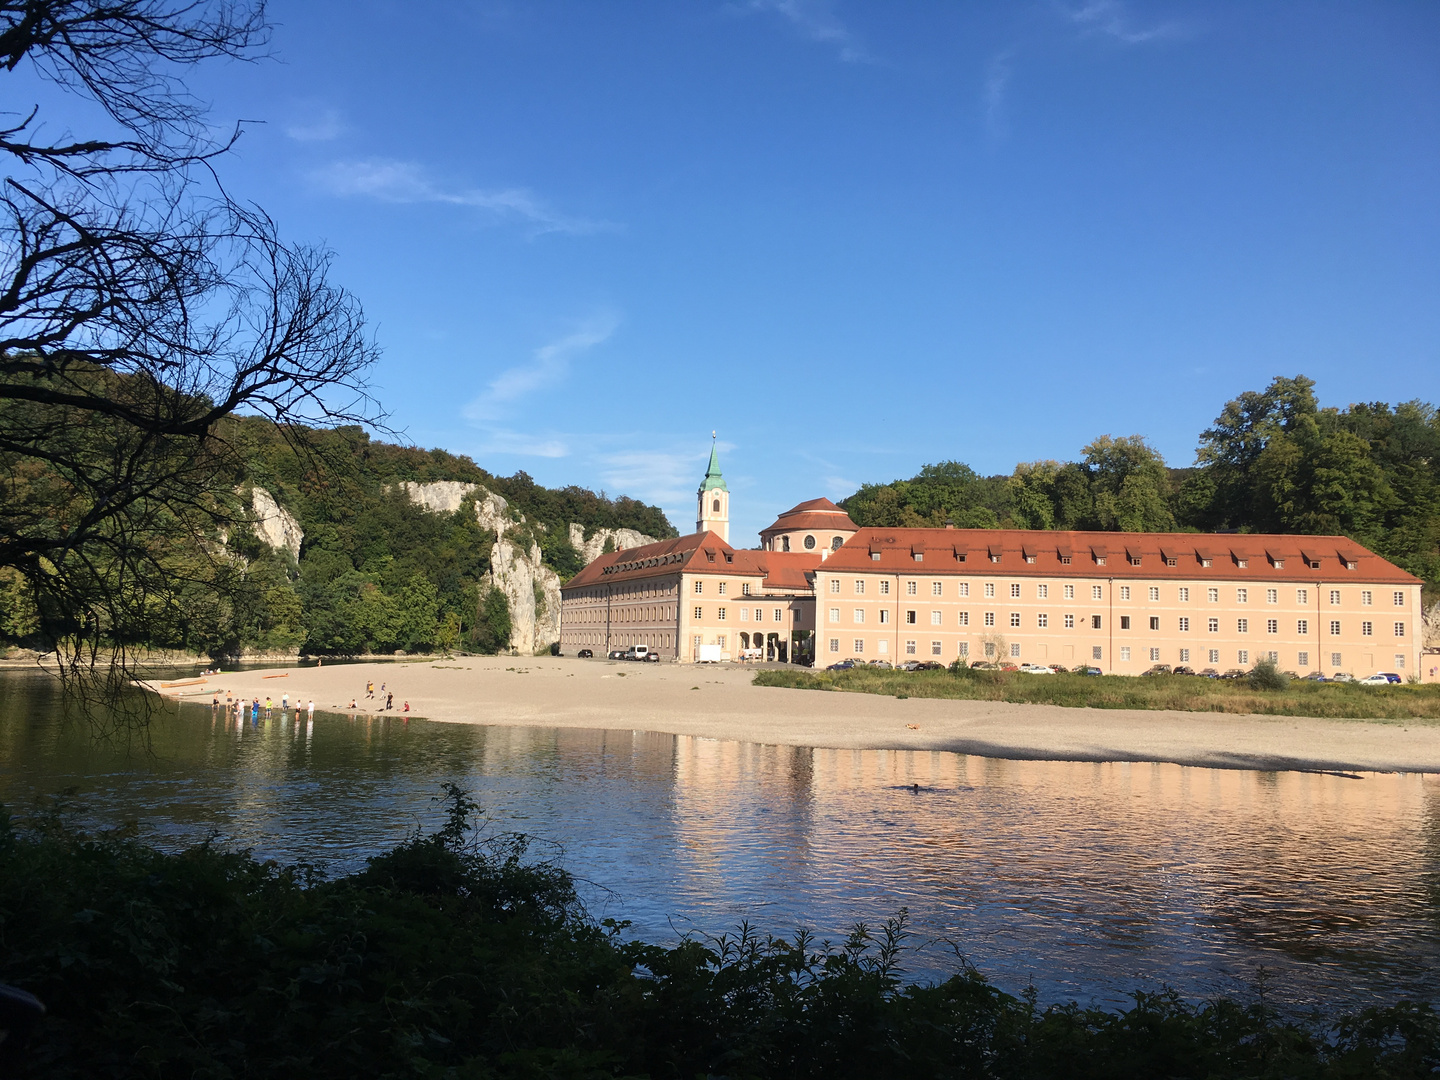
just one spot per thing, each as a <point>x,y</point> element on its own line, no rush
<point>1183,670</point>
<point>1157,669</point>
<point>1060,669</point>
<point>617,654</point>
<point>1314,676</point>
<point>1083,670</point>
<point>1391,676</point>
<point>843,665</point>
<point>1209,673</point>
<point>1234,673</point>
<point>584,654</point>
<point>930,665</point>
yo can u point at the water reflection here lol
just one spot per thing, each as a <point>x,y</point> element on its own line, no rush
<point>1088,879</point>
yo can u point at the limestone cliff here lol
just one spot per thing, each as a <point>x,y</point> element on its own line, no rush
<point>274,524</point>
<point>516,568</point>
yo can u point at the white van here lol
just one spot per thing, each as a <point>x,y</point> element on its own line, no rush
<point>638,652</point>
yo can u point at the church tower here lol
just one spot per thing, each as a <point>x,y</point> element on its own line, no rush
<point>714,499</point>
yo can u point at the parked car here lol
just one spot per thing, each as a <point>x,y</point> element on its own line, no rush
<point>1085,669</point>
<point>1059,669</point>
<point>1235,673</point>
<point>1378,679</point>
<point>910,665</point>
<point>843,665</point>
<point>983,665</point>
<point>1394,678</point>
<point>1342,676</point>
<point>584,654</point>
<point>1209,673</point>
<point>617,654</point>
<point>1006,665</point>
<point>1181,669</point>
<point>1314,676</point>
<point>880,664</point>
<point>930,665</point>
<point>1035,669</point>
<point>1157,669</point>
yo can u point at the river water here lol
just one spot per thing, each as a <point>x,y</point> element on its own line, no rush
<point>1087,880</point>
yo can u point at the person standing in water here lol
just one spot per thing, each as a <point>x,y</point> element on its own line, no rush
<point>311,710</point>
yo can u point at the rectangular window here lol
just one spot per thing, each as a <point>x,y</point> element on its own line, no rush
<point>964,648</point>
<point>1184,595</point>
<point>1015,649</point>
<point>1015,591</point>
<point>835,585</point>
<point>1366,597</point>
<point>1042,592</point>
<point>937,588</point>
<point>910,617</point>
<point>1094,622</point>
<point>1097,593</point>
<point>720,640</point>
<point>1069,592</point>
<point>699,613</point>
<point>1242,596</point>
<point>964,618</point>
<point>1303,659</point>
<point>1184,624</point>
<point>744,588</point>
<point>884,615</point>
<point>989,618</point>
<point>882,646</point>
<point>1335,659</point>
<point>1154,592</point>
<point>1154,622</point>
<point>964,588</point>
<point>1015,618</point>
<point>1213,656</point>
<point>1069,622</point>
<point>989,588</point>
<point>720,588</point>
<point>1244,656</point>
<point>1124,652</point>
<point>1399,660</point>
<point>1367,629</point>
<point>859,644</point>
<point>720,614</point>
<point>1124,622</point>
<point>934,648</point>
<point>1302,627</point>
<point>1273,657</point>
<point>884,588</point>
<point>1334,596</point>
<point>699,587</point>
<point>1042,620</point>
<point>1184,656</point>
<point>1272,596</point>
<point>1154,655</point>
<point>1096,652</point>
<point>834,644</point>
<point>1335,627</point>
<point>779,615</point>
<point>911,588</point>
<point>909,648</point>
<point>1213,595</point>
<point>859,586</point>
<point>1242,626</point>
<point>1124,592</point>
<point>936,618</point>
<point>1399,599</point>
<point>1399,629</point>
<point>1272,626</point>
<point>834,614</point>
<point>1302,596</point>
<point>1213,625</point>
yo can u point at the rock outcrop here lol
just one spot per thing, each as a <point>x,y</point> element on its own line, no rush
<point>516,569</point>
<point>591,549</point>
<point>274,524</point>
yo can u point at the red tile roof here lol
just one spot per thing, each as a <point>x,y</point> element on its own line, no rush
<point>699,553</point>
<point>812,514</point>
<point>1134,555</point>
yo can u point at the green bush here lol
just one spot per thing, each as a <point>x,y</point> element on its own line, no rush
<point>458,955</point>
<point>1266,675</point>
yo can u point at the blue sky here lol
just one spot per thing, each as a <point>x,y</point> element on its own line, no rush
<point>853,238</point>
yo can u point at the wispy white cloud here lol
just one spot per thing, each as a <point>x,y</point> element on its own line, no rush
<point>505,441</point>
<point>392,181</point>
<point>816,20</point>
<point>665,475</point>
<point>997,82</point>
<point>548,365</point>
<point>838,487</point>
<point>1110,17</point>
<point>322,126</point>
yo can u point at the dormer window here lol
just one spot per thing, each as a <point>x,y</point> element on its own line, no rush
<point>874,556</point>
<point>1065,560</point>
<point>1099,560</point>
<point>1207,562</point>
<point>729,557</point>
<point>1029,558</point>
<point>1242,563</point>
<point>919,556</point>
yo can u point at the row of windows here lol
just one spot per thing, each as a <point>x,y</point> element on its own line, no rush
<point>721,614</point>
<point>721,588</point>
<point>1042,622</point>
<point>1097,652</point>
<point>1097,592</point>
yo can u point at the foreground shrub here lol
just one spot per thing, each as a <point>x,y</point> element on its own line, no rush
<point>459,956</point>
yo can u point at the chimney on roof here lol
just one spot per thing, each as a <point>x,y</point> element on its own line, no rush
<point>949,523</point>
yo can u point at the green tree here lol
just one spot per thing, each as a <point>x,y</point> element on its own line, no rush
<point>493,625</point>
<point>1130,485</point>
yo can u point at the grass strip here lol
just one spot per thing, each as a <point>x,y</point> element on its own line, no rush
<point>1182,693</point>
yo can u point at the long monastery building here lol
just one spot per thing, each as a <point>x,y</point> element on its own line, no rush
<point>820,589</point>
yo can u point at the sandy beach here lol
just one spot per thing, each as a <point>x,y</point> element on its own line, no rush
<point>720,703</point>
